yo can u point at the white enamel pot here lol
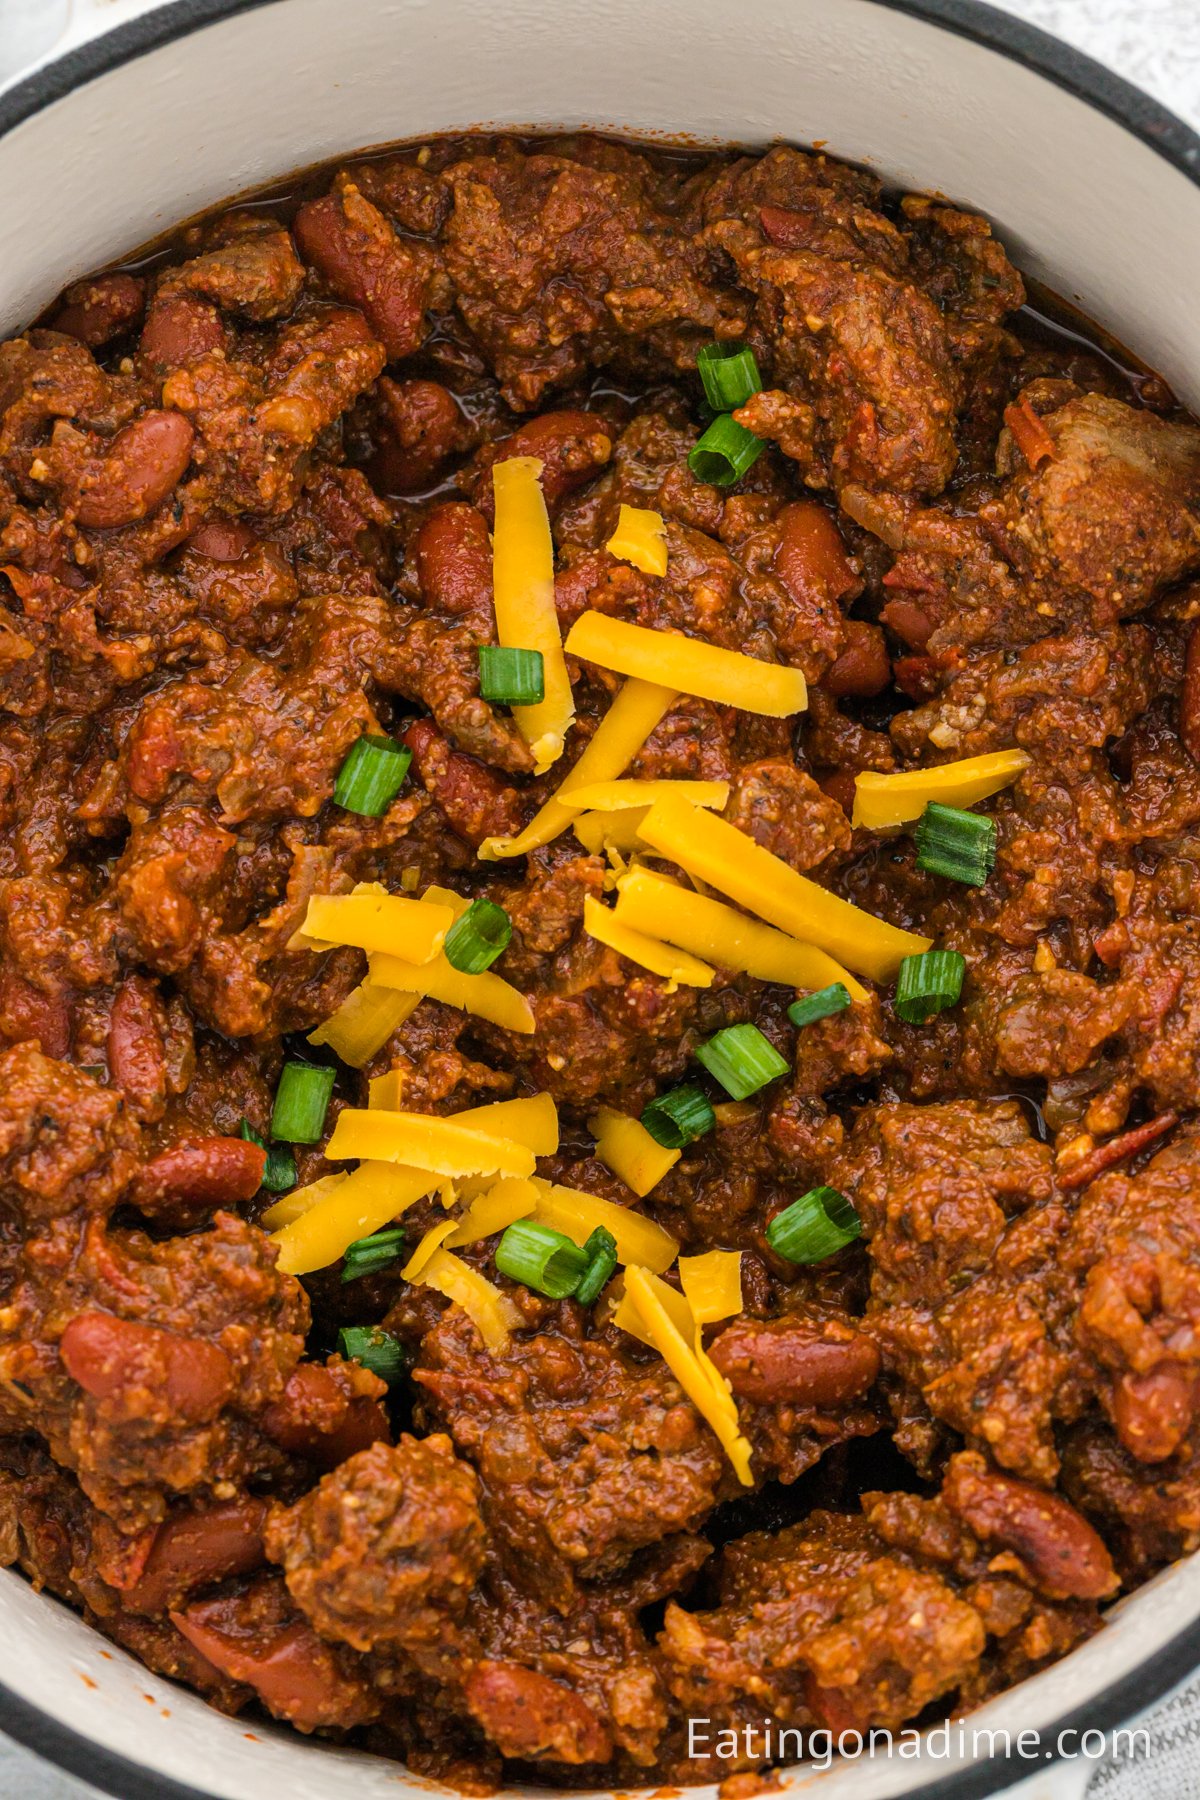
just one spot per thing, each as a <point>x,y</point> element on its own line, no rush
<point>142,113</point>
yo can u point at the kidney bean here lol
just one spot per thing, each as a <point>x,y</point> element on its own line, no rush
<point>136,1054</point>
<point>108,1357</point>
<point>367,265</point>
<point>863,666</point>
<point>317,1419</point>
<point>571,445</point>
<point>222,540</point>
<point>839,785</point>
<point>1062,1554</point>
<point>811,560</point>
<point>1189,699</point>
<point>787,228</point>
<point>418,428</point>
<point>180,329</point>
<point>27,1013</point>
<point>476,802</point>
<point>294,1674</point>
<point>1153,1412</point>
<point>909,622</point>
<point>140,467</point>
<point>917,676</point>
<point>209,1172</point>
<point>809,1361</point>
<point>194,1549</point>
<point>529,1715</point>
<point>454,561</point>
<point>100,309</point>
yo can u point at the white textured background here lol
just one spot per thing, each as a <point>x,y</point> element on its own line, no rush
<point>1155,43</point>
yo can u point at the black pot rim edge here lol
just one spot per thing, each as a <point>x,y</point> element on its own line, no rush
<point>1108,93</point>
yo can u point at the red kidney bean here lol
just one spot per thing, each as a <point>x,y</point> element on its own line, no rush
<point>529,1715</point>
<point>367,265</point>
<point>809,1361</point>
<point>1062,1554</point>
<point>317,1419</point>
<point>571,445</point>
<point>209,1172</point>
<point>27,1013</point>
<point>293,1673</point>
<point>1116,1150</point>
<point>811,560</point>
<point>839,785</point>
<point>141,466</point>
<point>137,1059</point>
<point>100,309</point>
<point>180,329</point>
<point>1153,1412</point>
<point>193,1549</point>
<point>786,228</point>
<point>222,540</point>
<point>863,666</point>
<point>909,622</point>
<point>108,1356</point>
<point>454,561</point>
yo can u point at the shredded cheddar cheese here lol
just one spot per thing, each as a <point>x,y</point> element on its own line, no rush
<point>663,1326</point>
<point>675,966</point>
<point>709,928</point>
<point>625,1146</point>
<point>363,1023</point>
<point>490,1310</point>
<point>497,1207</point>
<point>577,1215</point>
<point>526,619</point>
<point>694,667</point>
<point>424,1141</point>
<point>732,862</point>
<point>371,920</point>
<point>618,796</point>
<point>487,996</point>
<point>290,1207</point>
<point>625,727</point>
<point>434,1238</point>
<point>882,800</point>
<point>385,1092</point>
<point>712,1284</point>
<point>641,539</point>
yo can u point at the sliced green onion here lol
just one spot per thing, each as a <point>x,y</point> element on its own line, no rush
<point>542,1259</point>
<point>511,677</point>
<point>821,1005</point>
<point>375,1349</point>
<point>301,1102</point>
<point>370,1255</point>
<point>725,452</point>
<point>742,1060</point>
<point>601,1252</point>
<point>280,1170</point>
<point>817,1225</point>
<point>475,941</point>
<point>960,845</point>
<point>679,1118</point>
<point>730,375</point>
<point>371,776</point>
<point>928,984</point>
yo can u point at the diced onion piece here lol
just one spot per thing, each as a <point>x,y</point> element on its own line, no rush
<point>881,800</point>
<point>526,619</point>
<point>378,1192</point>
<point>712,1284</point>
<point>730,860</point>
<point>487,996</point>
<point>640,539</point>
<point>413,929</point>
<point>424,1141</point>
<point>293,1206</point>
<point>625,1146</point>
<point>434,1238</point>
<point>625,727</point>
<point>493,1211</point>
<point>711,929</point>
<point>673,965</point>
<point>577,1215</point>
<point>385,1093</point>
<point>690,1367</point>
<point>694,667</point>
<point>363,1023</point>
<point>618,796</point>
<point>491,1311</point>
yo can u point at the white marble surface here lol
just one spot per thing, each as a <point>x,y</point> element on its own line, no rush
<point>1155,43</point>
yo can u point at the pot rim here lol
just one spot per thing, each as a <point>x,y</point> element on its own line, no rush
<point>1146,119</point>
